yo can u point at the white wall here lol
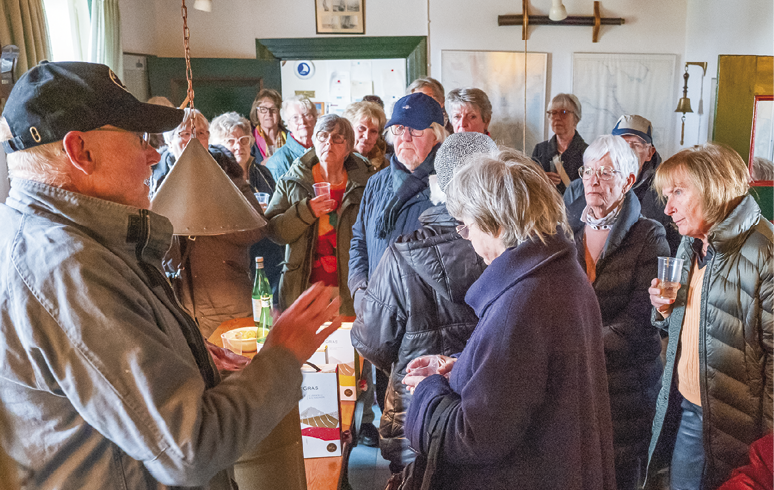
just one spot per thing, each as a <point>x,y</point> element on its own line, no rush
<point>716,27</point>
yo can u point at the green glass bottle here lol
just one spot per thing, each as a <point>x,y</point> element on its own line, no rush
<point>262,301</point>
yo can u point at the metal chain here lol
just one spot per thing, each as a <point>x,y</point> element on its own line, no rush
<point>188,73</point>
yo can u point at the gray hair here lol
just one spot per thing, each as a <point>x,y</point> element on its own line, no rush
<point>223,125</point>
<point>47,163</point>
<point>334,123</point>
<point>473,96</point>
<point>623,157</point>
<point>190,117</point>
<point>431,83</point>
<point>505,193</point>
<point>567,102</point>
<point>300,100</point>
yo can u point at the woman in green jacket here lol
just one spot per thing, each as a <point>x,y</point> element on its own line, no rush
<point>317,229</point>
<point>716,396</point>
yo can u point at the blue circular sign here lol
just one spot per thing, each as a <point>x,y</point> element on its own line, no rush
<point>304,69</point>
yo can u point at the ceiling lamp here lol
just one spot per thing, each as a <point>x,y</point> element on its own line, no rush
<point>557,12</point>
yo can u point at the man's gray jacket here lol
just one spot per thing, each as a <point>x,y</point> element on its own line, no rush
<point>104,380</point>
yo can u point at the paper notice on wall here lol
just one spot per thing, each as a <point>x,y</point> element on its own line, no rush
<point>361,89</point>
<point>340,88</point>
<point>394,87</point>
<point>361,71</point>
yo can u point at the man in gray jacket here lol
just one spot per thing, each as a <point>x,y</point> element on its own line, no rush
<point>105,380</point>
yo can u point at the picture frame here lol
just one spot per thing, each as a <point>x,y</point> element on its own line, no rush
<point>340,16</point>
<point>320,108</point>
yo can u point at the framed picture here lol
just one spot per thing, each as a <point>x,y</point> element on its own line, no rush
<point>320,108</point>
<point>340,16</point>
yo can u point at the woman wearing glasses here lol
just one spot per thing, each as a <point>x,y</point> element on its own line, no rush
<point>562,155</point>
<point>268,132</point>
<point>619,249</point>
<point>317,230</point>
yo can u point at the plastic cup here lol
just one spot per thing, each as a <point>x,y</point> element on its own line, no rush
<point>235,347</point>
<point>263,199</point>
<point>669,272</point>
<point>322,189</point>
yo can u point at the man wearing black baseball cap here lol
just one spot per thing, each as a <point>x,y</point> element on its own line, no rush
<point>106,381</point>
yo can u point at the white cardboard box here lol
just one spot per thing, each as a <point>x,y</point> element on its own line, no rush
<point>320,412</point>
<point>320,356</point>
<point>341,352</point>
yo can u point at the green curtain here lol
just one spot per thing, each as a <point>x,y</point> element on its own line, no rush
<point>105,44</point>
<point>23,24</point>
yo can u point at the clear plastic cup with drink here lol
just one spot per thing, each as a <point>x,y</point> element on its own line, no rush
<point>669,272</point>
<point>322,189</point>
<point>263,199</point>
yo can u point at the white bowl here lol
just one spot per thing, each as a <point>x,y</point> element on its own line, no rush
<point>241,340</point>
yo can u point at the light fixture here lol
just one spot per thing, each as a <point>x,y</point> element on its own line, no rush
<point>684,104</point>
<point>203,5</point>
<point>557,12</point>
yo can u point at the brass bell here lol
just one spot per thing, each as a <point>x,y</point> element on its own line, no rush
<point>684,105</point>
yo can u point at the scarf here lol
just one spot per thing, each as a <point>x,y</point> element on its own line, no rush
<point>603,223</point>
<point>406,185</point>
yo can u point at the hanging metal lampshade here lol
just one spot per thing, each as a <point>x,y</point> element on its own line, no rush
<point>200,199</point>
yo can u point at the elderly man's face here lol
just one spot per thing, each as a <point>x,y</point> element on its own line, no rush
<point>643,150</point>
<point>122,167</point>
<point>412,150</point>
<point>466,118</point>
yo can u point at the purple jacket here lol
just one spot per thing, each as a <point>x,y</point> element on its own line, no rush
<point>532,408</point>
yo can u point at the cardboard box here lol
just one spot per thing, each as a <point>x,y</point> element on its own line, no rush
<point>320,412</point>
<point>341,352</point>
<point>320,356</point>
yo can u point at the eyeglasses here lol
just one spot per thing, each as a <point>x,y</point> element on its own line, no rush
<point>463,231</point>
<point>562,113</point>
<point>323,136</point>
<point>267,110</point>
<point>637,146</point>
<point>144,137</point>
<point>298,118</point>
<point>603,173</point>
<point>242,140</point>
<point>186,135</point>
<point>398,130</point>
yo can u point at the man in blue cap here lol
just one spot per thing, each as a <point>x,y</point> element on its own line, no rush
<point>392,202</point>
<point>105,381</point>
<point>638,133</point>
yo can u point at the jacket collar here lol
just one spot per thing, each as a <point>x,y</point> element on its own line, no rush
<point>124,229</point>
<point>573,147</point>
<point>358,170</point>
<point>727,236</point>
<point>629,215</point>
<point>516,264</point>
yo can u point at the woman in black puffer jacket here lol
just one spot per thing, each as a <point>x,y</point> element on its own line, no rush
<point>415,301</point>
<point>619,249</point>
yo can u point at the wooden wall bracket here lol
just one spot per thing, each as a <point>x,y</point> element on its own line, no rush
<point>525,20</point>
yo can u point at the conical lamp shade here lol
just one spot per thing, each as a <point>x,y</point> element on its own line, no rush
<point>199,198</point>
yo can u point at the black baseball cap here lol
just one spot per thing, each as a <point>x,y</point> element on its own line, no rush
<point>53,99</point>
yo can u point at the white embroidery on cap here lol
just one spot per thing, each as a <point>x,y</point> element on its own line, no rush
<point>407,107</point>
<point>35,134</point>
<point>114,78</point>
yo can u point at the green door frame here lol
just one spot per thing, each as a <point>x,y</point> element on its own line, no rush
<point>412,48</point>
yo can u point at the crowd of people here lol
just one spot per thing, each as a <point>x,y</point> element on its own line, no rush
<point>508,304</point>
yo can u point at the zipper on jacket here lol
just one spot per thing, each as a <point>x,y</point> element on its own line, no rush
<point>190,330</point>
<point>704,393</point>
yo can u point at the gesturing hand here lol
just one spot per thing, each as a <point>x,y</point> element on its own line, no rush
<point>296,328</point>
<point>322,205</point>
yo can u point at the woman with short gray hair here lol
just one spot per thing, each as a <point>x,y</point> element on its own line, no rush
<point>532,372</point>
<point>469,110</point>
<point>562,155</point>
<point>619,249</point>
<point>314,208</point>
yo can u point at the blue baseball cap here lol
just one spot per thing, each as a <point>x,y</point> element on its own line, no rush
<point>52,99</point>
<point>417,111</point>
<point>634,125</point>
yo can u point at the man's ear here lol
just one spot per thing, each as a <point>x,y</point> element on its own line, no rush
<point>77,149</point>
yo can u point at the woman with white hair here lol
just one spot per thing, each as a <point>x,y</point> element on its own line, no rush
<point>525,404</point>
<point>300,115</point>
<point>562,155</point>
<point>619,250</point>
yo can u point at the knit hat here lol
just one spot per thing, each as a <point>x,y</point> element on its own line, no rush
<point>455,151</point>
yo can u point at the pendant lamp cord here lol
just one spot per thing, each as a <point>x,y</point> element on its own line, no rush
<point>524,122</point>
<point>189,97</point>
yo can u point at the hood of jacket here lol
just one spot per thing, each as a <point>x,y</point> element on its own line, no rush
<point>433,251</point>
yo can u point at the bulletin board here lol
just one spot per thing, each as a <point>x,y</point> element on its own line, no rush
<point>501,75</point>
